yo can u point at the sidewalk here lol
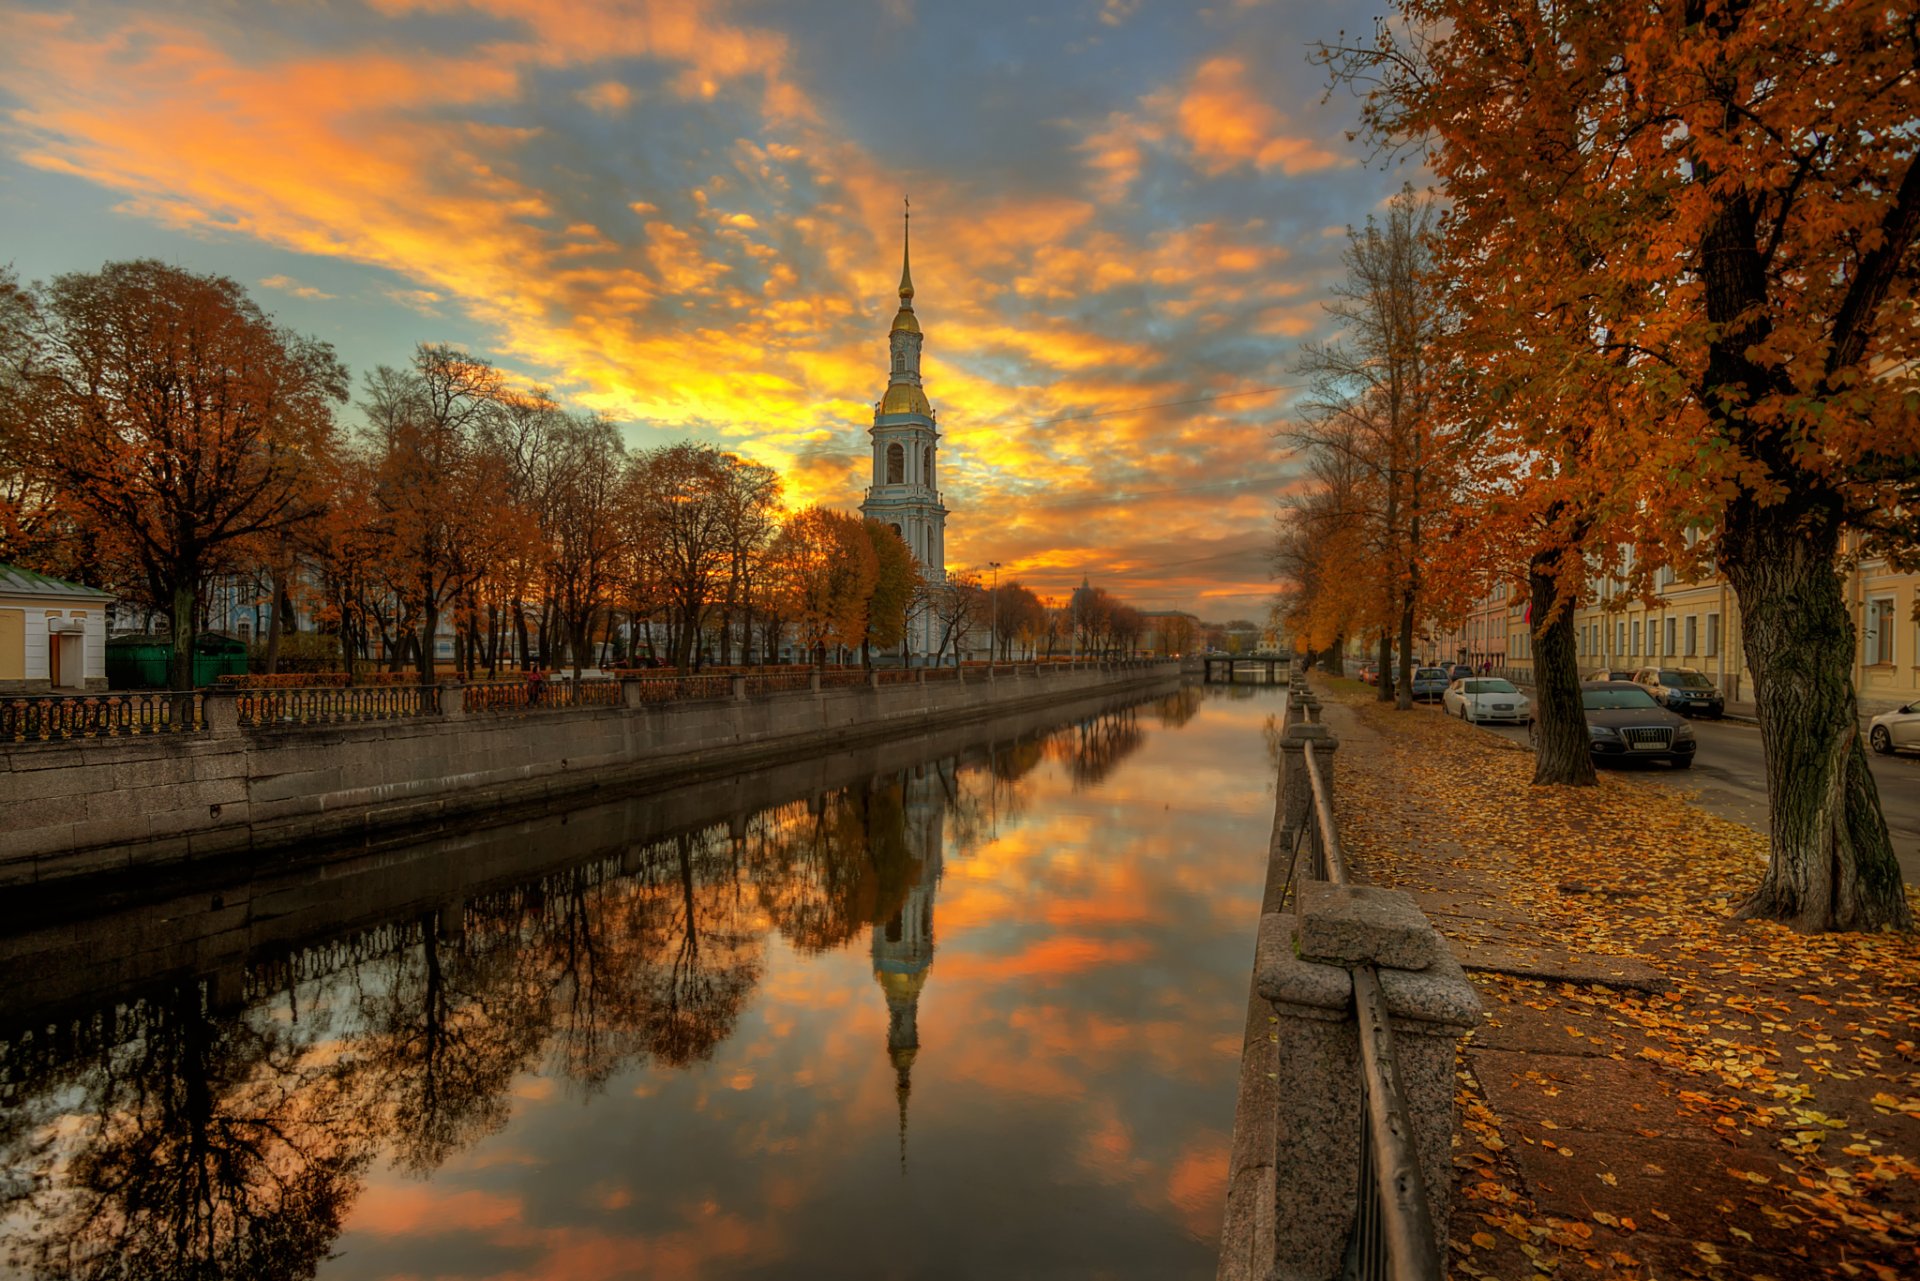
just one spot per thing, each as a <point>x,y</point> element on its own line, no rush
<point>1659,1090</point>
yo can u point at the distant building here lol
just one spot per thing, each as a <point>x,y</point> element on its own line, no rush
<point>906,442</point>
<point>53,633</point>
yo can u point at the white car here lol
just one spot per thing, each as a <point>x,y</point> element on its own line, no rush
<point>1485,698</point>
<point>1890,731</point>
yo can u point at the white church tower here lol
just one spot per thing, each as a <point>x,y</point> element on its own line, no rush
<point>906,442</point>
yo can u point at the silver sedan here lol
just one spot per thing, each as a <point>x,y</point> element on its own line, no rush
<point>1486,698</point>
<point>1893,730</point>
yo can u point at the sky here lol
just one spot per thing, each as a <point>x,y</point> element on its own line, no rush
<point>1127,217</point>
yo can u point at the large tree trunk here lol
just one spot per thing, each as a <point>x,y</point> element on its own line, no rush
<point>1832,865</point>
<point>1563,753</point>
<point>1383,685</point>
<point>185,628</point>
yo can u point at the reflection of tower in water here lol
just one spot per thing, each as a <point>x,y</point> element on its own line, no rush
<point>903,944</point>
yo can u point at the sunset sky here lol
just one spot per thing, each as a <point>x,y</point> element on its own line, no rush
<point>688,215</point>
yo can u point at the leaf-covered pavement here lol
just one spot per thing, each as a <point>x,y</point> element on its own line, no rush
<point>1758,1118</point>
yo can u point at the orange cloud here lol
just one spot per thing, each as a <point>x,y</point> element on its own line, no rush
<point>1226,123</point>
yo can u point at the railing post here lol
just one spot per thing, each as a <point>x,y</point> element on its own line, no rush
<point>630,694</point>
<point>453,700</point>
<point>739,688</point>
<point>220,705</point>
<point>813,682</point>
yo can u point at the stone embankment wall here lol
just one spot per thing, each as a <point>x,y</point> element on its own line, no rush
<point>107,805</point>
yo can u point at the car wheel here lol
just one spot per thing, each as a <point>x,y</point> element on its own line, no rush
<point>1881,740</point>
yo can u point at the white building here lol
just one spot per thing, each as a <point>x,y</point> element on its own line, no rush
<point>906,442</point>
<point>53,634</point>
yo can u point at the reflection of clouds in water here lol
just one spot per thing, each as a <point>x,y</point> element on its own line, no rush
<point>725,976</point>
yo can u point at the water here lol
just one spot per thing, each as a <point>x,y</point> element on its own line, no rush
<point>919,1011</point>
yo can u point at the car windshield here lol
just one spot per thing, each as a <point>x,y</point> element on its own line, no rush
<point>1491,687</point>
<point>1615,700</point>
<point>1685,680</point>
<point>1429,674</point>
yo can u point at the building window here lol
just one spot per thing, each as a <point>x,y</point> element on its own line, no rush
<point>1879,637</point>
<point>895,529</point>
<point>1635,651</point>
<point>927,472</point>
<point>1693,635</point>
<point>1620,638</point>
<point>1672,645</point>
<point>1713,635</point>
<point>896,464</point>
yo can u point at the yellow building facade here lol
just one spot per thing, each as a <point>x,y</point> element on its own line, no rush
<point>1697,624</point>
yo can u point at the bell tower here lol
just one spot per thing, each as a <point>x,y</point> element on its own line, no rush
<point>904,492</point>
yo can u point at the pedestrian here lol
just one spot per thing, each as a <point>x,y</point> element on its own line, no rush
<point>536,685</point>
<point>1486,667</point>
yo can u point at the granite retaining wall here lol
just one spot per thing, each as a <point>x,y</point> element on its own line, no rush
<point>109,805</point>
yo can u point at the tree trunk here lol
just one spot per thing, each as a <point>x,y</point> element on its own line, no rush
<point>185,612</point>
<point>1563,752</point>
<point>274,616</point>
<point>1403,690</point>
<point>1832,866</point>
<point>429,627</point>
<point>1383,690</point>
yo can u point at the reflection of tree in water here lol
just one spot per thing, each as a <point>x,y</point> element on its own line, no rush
<point>1094,748</point>
<point>827,870</point>
<point>201,1148</point>
<point>1179,707</point>
<point>706,955</point>
<point>449,1022</point>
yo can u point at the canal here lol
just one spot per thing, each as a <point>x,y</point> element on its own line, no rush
<point>946,1008</point>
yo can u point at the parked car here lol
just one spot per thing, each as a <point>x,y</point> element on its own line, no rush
<point>1610,674</point>
<point>1459,671</point>
<point>1429,683</point>
<point>1891,731</point>
<point>1682,689</point>
<point>1486,698</point>
<point>1623,721</point>
<point>1370,673</point>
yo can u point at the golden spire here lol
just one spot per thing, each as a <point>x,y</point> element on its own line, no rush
<point>906,237</point>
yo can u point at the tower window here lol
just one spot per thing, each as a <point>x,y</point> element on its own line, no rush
<point>895,529</point>
<point>896,464</point>
<point>928,473</point>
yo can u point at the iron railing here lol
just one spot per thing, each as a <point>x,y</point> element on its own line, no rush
<point>668,689</point>
<point>46,718</point>
<point>335,704</point>
<point>779,682</point>
<point>1393,1236</point>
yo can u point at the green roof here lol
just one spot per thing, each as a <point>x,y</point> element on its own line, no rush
<point>15,581</point>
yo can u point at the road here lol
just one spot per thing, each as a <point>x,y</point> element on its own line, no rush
<point>1730,780</point>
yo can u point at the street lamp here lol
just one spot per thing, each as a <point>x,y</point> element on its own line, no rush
<point>993,610</point>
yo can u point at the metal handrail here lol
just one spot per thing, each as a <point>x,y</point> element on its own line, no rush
<point>1393,1237</point>
<point>1323,816</point>
<point>1402,1222</point>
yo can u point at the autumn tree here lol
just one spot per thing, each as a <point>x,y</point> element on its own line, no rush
<point>178,420</point>
<point>896,581</point>
<point>591,516</point>
<point>436,481</point>
<point>750,505</point>
<point>1372,401</point>
<point>684,530</point>
<point>828,568</point>
<point>1743,178</point>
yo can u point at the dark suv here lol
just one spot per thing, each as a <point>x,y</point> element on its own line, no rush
<point>1623,722</point>
<point>1682,689</point>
